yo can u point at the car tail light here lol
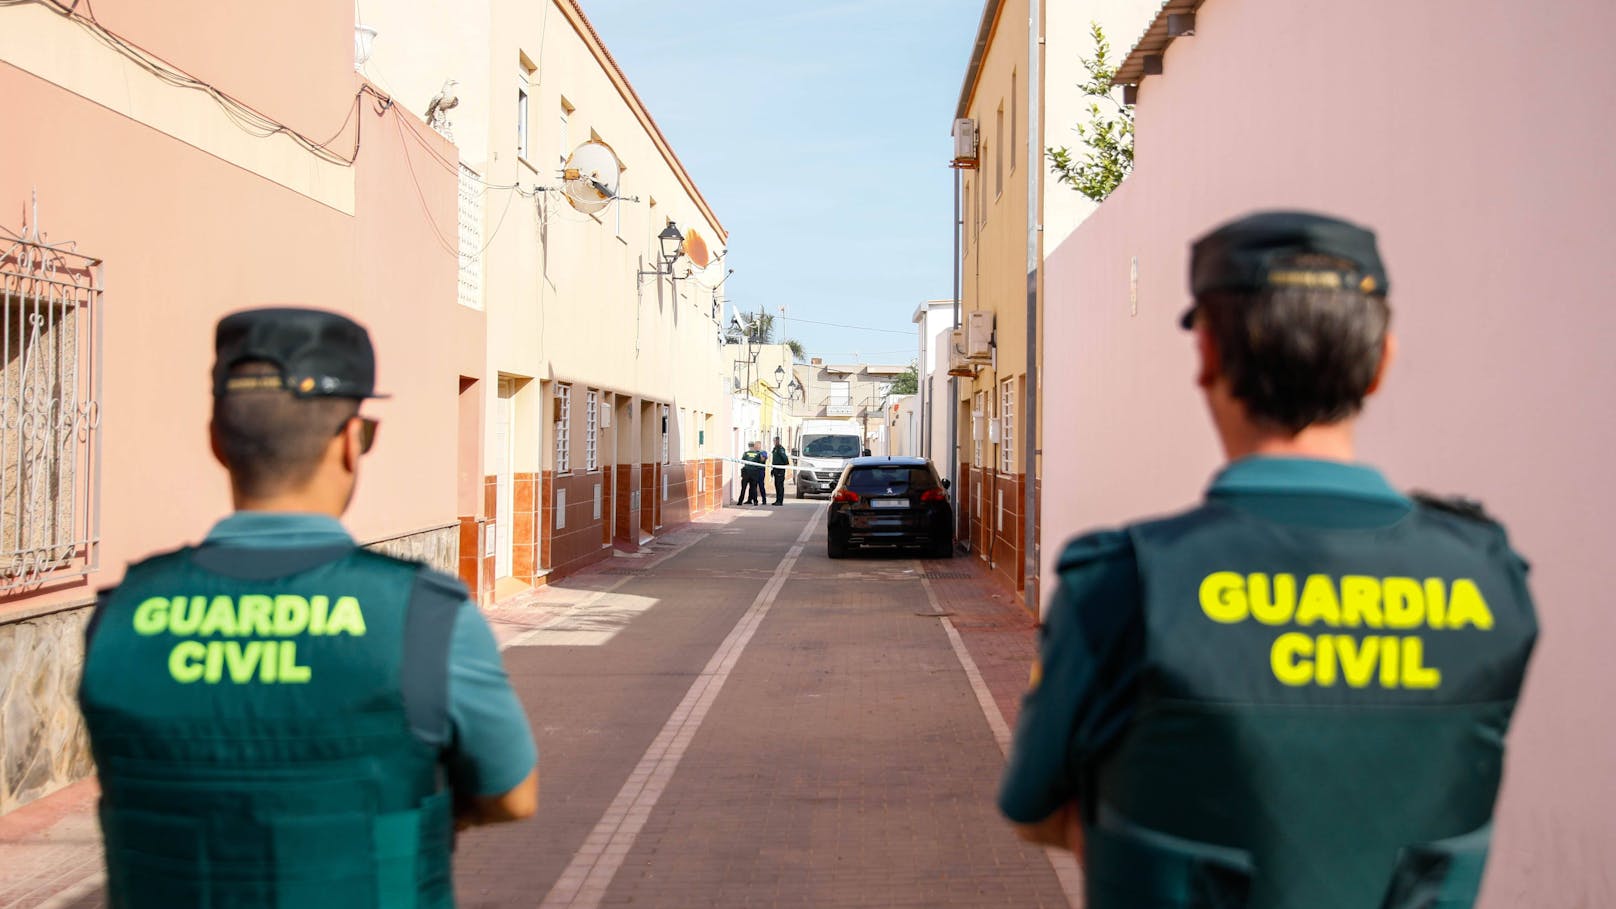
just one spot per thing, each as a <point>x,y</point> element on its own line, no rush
<point>845,495</point>
<point>934,495</point>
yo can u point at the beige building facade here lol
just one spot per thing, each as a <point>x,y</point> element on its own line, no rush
<point>606,408</point>
<point>997,187</point>
<point>1021,94</point>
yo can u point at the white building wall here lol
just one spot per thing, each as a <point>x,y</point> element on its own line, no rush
<point>1067,43</point>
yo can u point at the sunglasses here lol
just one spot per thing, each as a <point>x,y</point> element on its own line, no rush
<point>367,432</point>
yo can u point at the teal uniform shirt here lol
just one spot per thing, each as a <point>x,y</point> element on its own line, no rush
<point>494,749</point>
<point>1235,732</point>
<point>1090,648</point>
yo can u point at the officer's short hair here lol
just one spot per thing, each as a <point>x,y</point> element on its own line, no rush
<point>270,440</point>
<point>1296,355</point>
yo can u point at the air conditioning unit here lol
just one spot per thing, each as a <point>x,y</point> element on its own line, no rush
<point>958,365</point>
<point>979,335</point>
<point>965,144</point>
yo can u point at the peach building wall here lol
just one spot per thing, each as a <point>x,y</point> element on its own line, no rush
<point>188,235</point>
<point>1475,139</point>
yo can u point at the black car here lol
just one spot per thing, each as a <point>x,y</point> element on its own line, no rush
<point>890,502</point>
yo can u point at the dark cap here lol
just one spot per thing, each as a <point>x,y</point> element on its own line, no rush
<point>1247,255</point>
<point>318,353</point>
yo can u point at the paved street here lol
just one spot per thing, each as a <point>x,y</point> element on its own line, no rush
<point>727,719</point>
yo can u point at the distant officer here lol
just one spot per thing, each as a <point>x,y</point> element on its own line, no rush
<point>1294,694</point>
<point>752,475</point>
<point>780,459</point>
<point>281,718</point>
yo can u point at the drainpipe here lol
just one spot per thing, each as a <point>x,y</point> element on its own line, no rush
<point>1035,182</point>
<point>953,381</point>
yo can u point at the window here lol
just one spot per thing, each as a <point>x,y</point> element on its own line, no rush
<point>1007,425</point>
<point>982,191</point>
<point>968,223</point>
<point>841,393</point>
<point>1012,146</point>
<point>564,151</point>
<point>998,163</point>
<point>666,435</point>
<point>591,431</point>
<point>563,423</point>
<point>524,86</point>
<point>979,426</point>
<point>521,118</point>
<point>469,280</point>
<point>50,315</point>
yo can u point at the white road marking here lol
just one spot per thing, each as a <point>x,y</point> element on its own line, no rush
<point>1064,862</point>
<point>67,897</point>
<point>583,884</point>
<point>593,622</point>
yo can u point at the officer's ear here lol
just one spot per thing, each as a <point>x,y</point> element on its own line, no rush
<point>1211,364</point>
<point>352,443</point>
<point>215,447</point>
<point>1388,352</point>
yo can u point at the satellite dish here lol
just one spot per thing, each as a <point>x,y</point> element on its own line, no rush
<point>590,177</point>
<point>695,249</point>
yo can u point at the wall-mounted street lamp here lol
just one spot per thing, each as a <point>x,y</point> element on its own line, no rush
<point>670,243</point>
<point>779,376</point>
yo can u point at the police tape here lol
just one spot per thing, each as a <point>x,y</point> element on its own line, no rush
<point>789,464</point>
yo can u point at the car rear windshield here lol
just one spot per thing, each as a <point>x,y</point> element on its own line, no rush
<point>881,479</point>
<point>830,447</point>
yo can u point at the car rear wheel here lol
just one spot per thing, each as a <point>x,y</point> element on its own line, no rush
<point>835,547</point>
<point>940,549</point>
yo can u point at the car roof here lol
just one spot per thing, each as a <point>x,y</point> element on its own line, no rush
<point>887,461</point>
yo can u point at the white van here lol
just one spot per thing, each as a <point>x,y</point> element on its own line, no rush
<point>826,446</point>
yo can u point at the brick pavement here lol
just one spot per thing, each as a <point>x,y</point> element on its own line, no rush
<point>846,763</point>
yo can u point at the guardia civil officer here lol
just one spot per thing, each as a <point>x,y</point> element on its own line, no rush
<point>780,459</point>
<point>1293,695</point>
<point>752,475</point>
<point>278,717</point>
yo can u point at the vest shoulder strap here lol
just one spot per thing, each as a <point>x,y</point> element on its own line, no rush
<point>435,603</point>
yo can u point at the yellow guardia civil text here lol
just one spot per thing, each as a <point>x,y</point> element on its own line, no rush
<point>1402,606</point>
<point>272,623</point>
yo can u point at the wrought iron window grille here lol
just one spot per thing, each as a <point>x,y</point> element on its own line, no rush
<point>50,410</point>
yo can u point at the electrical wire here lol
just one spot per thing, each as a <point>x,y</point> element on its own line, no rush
<point>241,114</point>
<point>890,331</point>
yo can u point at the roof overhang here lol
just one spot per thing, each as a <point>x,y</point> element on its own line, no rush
<point>1174,20</point>
<point>979,52</point>
<point>574,12</point>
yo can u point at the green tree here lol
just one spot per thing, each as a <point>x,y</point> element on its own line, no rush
<point>907,382</point>
<point>760,327</point>
<point>1107,137</point>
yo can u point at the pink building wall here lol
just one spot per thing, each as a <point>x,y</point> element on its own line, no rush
<point>187,236</point>
<point>1475,139</point>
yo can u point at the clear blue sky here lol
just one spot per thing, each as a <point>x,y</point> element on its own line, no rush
<point>819,132</point>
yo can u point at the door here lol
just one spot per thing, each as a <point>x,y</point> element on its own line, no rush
<point>504,489</point>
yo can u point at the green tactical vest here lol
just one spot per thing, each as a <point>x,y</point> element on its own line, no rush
<point>255,746</point>
<point>1321,715</point>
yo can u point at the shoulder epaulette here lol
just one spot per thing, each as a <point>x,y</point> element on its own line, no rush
<point>1457,505</point>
